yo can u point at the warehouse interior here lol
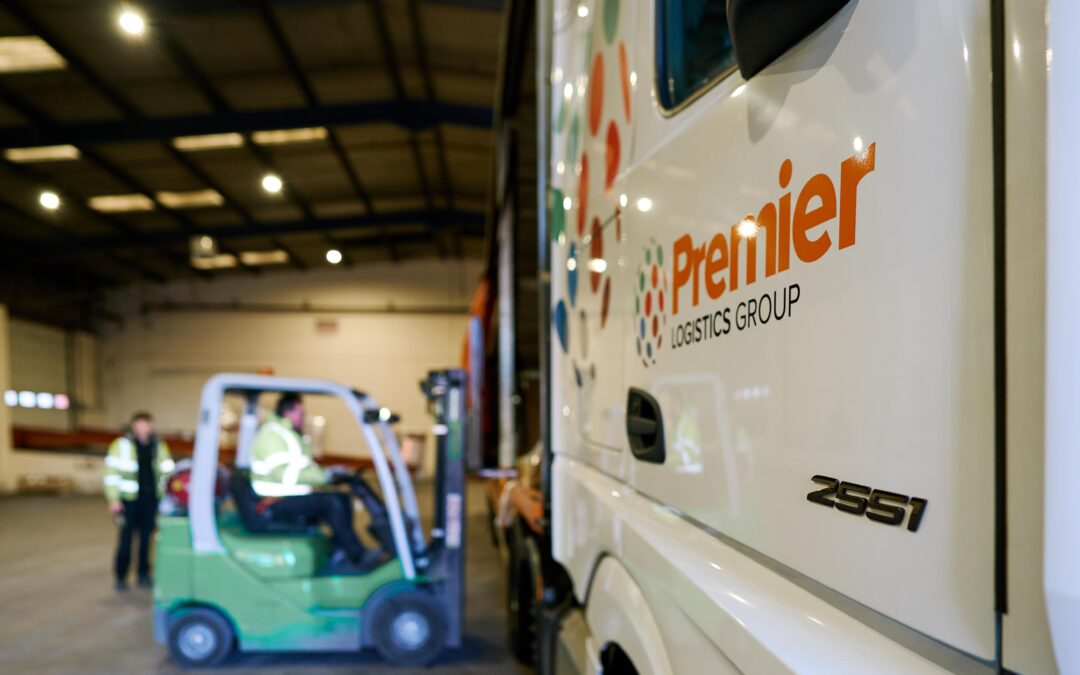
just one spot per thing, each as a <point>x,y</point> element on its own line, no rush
<point>539,336</point>
<point>277,187</point>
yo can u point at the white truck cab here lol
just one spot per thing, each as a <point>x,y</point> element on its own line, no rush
<point>812,389</point>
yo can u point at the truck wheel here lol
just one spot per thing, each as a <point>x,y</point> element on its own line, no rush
<point>523,615</point>
<point>200,637</point>
<point>409,629</point>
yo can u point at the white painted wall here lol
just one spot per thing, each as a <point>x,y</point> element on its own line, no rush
<point>39,362</point>
<point>160,360</point>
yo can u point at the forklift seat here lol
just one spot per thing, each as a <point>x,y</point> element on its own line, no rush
<point>247,508</point>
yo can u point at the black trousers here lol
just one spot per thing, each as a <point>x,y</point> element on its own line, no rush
<point>334,509</point>
<point>139,516</point>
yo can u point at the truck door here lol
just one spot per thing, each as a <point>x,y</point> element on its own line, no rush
<point>813,250</point>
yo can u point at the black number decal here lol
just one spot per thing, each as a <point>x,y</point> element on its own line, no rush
<point>848,499</point>
<point>880,506</point>
<point>822,496</point>
<point>917,507</point>
<point>883,512</point>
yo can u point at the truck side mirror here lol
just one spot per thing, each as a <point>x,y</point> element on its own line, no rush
<point>762,30</point>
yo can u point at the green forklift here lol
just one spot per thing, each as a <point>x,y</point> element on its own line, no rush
<point>226,582</point>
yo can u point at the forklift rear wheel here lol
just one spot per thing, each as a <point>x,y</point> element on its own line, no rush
<point>200,637</point>
<point>409,628</point>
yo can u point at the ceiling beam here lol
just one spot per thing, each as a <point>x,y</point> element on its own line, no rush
<point>415,115</point>
<point>70,200</point>
<point>217,101</point>
<point>393,67</point>
<point>429,95</point>
<point>471,222</point>
<point>199,6</point>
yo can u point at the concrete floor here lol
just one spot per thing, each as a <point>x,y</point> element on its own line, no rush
<point>60,614</point>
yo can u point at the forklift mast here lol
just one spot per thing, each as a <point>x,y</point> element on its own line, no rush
<point>445,391</point>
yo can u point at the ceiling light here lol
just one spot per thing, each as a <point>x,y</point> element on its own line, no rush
<point>279,136</point>
<point>214,262</point>
<point>45,400</point>
<point>27,399</point>
<point>582,11</point>
<point>191,199</point>
<point>208,141</point>
<point>49,200</point>
<point>11,398</point>
<point>333,256</point>
<point>644,204</point>
<point>44,153</point>
<point>121,203</point>
<point>275,257</point>
<point>272,183</point>
<point>132,22</point>
<point>27,53</point>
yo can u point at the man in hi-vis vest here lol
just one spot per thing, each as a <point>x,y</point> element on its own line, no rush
<point>135,472</point>
<point>281,460</point>
<point>284,475</point>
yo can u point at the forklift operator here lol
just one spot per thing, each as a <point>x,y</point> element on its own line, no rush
<point>283,475</point>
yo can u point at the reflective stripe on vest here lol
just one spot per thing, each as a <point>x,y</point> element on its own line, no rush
<point>292,457</point>
<point>121,464</point>
<point>125,485</point>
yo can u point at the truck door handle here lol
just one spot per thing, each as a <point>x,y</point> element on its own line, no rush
<point>645,426</point>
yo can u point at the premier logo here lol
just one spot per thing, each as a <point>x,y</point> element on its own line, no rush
<point>808,228</point>
<point>714,266</point>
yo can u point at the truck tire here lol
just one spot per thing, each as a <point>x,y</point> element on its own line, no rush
<point>200,637</point>
<point>523,616</point>
<point>409,628</point>
<point>522,609</point>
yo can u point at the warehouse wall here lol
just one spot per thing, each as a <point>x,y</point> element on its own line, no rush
<point>39,363</point>
<point>160,359</point>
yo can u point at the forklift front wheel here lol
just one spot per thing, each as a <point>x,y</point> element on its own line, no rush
<point>409,628</point>
<point>200,637</point>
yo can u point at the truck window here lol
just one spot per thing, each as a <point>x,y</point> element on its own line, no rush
<point>694,48</point>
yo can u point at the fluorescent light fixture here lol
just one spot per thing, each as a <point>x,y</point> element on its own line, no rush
<point>132,22</point>
<point>61,401</point>
<point>333,256</point>
<point>191,199</point>
<point>279,136</point>
<point>11,398</point>
<point>27,399</point>
<point>28,53</point>
<point>121,203</point>
<point>274,257</point>
<point>43,153</point>
<point>45,400</point>
<point>214,262</point>
<point>272,183</point>
<point>49,200</point>
<point>208,142</point>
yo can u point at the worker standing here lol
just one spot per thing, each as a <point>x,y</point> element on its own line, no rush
<point>136,468</point>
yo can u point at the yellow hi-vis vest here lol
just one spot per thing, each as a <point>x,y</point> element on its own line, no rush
<point>122,469</point>
<point>281,463</point>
